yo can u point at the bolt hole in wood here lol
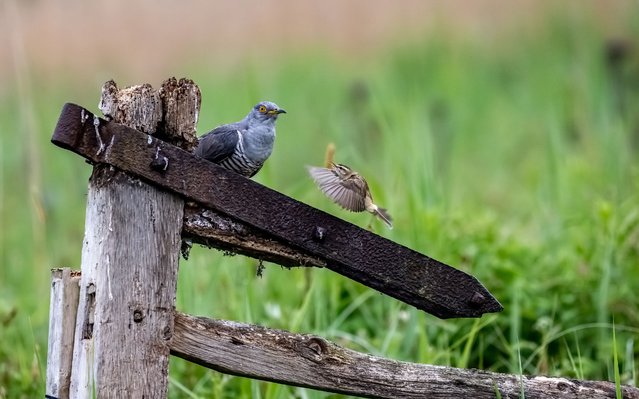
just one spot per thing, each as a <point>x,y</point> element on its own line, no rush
<point>316,345</point>
<point>138,315</point>
<point>167,333</point>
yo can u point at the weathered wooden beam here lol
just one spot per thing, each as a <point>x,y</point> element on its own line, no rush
<point>129,258</point>
<point>213,229</point>
<point>63,307</point>
<point>312,362</point>
<point>356,253</point>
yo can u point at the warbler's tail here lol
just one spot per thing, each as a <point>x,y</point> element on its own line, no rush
<point>328,156</point>
<point>383,214</point>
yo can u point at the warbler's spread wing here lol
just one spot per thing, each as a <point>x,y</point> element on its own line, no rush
<point>218,144</point>
<point>344,193</point>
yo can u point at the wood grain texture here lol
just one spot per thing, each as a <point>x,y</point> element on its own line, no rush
<point>181,101</point>
<point>129,275</point>
<point>313,362</point>
<point>213,229</point>
<point>138,107</point>
<point>63,307</point>
<point>129,269</point>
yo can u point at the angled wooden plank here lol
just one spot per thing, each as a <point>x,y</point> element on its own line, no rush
<point>313,362</point>
<point>356,253</point>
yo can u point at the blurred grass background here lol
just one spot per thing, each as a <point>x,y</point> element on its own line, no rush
<point>503,143</point>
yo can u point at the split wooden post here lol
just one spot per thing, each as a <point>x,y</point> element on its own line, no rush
<point>63,308</point>
<point>130,254</point>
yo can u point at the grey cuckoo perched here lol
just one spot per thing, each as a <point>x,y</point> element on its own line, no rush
<point>243,146</point>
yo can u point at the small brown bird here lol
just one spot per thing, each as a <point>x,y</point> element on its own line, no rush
<point>347,189</point>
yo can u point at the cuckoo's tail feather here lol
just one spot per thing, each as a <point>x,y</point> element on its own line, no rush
<point>383,214</point>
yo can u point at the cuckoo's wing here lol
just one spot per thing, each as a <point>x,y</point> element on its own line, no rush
<point>335,188</point>
<point>218,144</point>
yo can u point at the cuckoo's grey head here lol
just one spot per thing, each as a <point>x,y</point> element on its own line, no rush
<point>265,111</point>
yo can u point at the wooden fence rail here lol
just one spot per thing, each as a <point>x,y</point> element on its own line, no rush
<point>313,362</point>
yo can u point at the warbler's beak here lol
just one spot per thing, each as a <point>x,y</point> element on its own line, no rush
<point>276,111</point>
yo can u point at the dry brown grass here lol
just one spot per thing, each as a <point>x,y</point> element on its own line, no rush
<point>147,40</point>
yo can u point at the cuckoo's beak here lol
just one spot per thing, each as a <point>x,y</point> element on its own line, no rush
<point>276,111</point>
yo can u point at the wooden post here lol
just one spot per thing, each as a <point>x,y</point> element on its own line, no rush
<point>130,256</point>
<point>63,308</point>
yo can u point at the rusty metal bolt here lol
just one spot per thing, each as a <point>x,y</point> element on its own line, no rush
<point>160,163</point>
<point>319,233</point>
<point>477,300</point>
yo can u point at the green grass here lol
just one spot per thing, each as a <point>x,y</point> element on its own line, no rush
<point>511,160</point>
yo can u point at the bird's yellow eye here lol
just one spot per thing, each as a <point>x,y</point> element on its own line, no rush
<point>262,109</point>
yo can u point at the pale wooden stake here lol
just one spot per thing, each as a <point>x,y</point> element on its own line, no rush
<point>63,306</point>
<point>129,261</point>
